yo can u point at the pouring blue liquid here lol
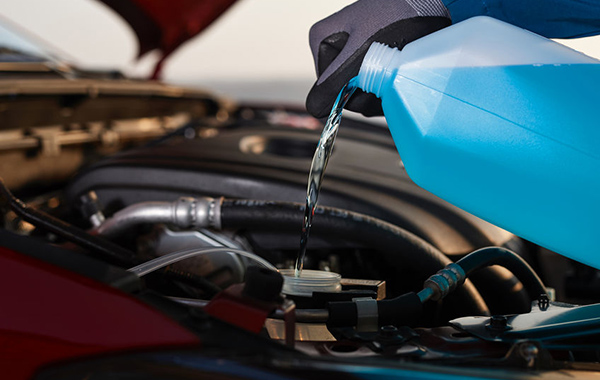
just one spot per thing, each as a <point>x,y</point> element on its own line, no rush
<point>318,166</point>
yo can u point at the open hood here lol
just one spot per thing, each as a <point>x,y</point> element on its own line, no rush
<point>165,25</point>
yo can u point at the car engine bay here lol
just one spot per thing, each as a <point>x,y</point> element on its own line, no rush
<point>198,209</point>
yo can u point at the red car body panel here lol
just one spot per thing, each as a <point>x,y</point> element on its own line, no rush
<point>49,314</point>
<point>165,25</point>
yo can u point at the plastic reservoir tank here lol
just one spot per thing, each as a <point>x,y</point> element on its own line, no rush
<point>502,123</point>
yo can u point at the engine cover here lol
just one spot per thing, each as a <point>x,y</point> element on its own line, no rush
<point>267,156</point>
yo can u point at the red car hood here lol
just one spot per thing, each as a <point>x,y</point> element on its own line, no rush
<point>165,25</point>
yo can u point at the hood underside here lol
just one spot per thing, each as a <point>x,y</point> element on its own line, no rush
<point>166,25</point>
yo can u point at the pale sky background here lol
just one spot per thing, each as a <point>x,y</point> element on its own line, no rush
<point>234,56</point>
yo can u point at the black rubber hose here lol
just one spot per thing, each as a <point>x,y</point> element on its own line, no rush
<point>400,249</point>
<point>101,248</point>
<point>506,258</point>
<point>405,310</point>
<point>502,291</point>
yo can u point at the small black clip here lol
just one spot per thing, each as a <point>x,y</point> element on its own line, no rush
<point>543,302</point>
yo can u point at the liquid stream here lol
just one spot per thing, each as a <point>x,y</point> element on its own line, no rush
<point>318,166</point>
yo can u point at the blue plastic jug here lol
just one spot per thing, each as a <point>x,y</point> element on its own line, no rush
<point>502,123</point>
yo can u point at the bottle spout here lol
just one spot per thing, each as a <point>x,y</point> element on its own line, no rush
<point>379,65</point>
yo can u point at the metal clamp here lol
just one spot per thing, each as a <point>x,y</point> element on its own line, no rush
<point>367,314</point>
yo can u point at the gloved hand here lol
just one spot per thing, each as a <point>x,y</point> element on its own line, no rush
<point>340,42</point>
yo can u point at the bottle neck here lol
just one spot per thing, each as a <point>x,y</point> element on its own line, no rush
<point>379,65</point>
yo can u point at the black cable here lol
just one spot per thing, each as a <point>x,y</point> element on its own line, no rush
<point>101,248</point>
<point>506,258</point>
<point>400,249</point>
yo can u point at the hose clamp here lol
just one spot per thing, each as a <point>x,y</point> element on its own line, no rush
<point>184,214</point>
<point>214,213</point>
<point>367,314</point>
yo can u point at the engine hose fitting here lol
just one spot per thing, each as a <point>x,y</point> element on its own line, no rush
<point>444,281</point>
<point>185,212</point>
<point>193,212</point>
<point>198,212</point>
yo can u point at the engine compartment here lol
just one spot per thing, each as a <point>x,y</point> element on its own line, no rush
<point>245,177</point>
<point>260,160</point>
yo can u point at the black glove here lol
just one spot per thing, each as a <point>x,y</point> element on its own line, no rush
<point>340,42</point>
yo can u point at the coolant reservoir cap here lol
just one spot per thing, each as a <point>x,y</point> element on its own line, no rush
<point>310,281</point>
